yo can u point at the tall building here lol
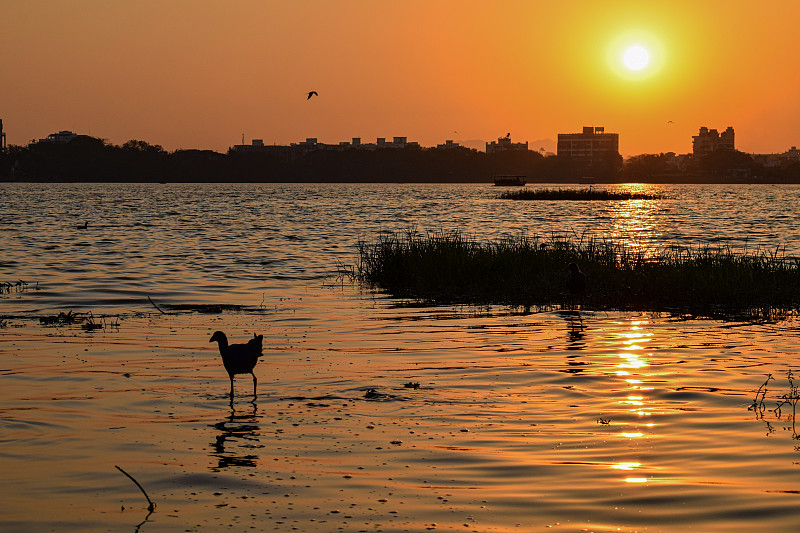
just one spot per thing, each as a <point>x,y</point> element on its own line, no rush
<point>707,141</point>
<point>2,136</point>
<point>590,146</point>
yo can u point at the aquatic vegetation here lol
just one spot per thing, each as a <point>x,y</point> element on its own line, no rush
<point>63,319</point>
<point>529,271</point>
<point>587,193</point>
<point>7,287</point>
<point>91,325</point>
<point>86,320</point>
<point>789,399</point>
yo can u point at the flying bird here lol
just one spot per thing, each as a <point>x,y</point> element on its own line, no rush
<point>239,358</point>
<point>311,93</point>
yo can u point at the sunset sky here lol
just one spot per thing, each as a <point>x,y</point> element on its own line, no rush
<point>200,73</point>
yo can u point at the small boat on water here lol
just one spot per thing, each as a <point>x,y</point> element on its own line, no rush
<point>509,181</point>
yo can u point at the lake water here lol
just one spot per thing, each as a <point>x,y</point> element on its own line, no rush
<point>521,421</point>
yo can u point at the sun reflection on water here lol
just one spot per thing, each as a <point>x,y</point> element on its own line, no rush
<point>633,367</point>
<point>634,222</point>
<point>625,466</point>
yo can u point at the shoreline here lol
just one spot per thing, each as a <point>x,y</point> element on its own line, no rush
<point>689,180</point>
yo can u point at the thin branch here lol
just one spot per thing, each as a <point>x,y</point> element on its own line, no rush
<point>152,506</point>
<point>157,307</point>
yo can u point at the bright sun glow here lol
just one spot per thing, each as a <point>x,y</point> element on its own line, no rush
<point>636,58</point>
<point>636,55</point>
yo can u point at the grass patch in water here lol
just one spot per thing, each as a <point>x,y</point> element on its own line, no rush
<point>587,193</point>
<point>528,271</point>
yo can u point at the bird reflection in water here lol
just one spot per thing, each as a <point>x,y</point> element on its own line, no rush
<point>576,333</point>
<point>575,328</point>
<point>237,440</point>
<point>576,287</point>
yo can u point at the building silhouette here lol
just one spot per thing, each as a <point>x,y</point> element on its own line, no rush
<point>590,146</point>
<point>504,144</point>
<point>449,144</point>
<point>707,141</point>
<point>62,137</point>
<point>312,144</point>
<point>2,136</point>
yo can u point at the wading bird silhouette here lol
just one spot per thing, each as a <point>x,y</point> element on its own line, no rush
<point>311,93</point>
<point>239,358</point>
<point>576,281</point>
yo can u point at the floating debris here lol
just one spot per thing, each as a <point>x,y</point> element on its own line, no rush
<point>208,309</point>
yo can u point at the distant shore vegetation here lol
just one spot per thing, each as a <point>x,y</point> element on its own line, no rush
<point>89,159</point>
<point>586,193</point>
<point>451,268</point>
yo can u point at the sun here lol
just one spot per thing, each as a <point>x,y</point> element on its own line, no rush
<point>636,55</point>
<point>636,58</point>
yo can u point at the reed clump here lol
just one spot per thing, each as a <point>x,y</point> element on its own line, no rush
<point>529,271</point>
<point>587,193</point>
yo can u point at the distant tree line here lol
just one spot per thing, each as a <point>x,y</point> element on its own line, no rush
<point>87,158</point>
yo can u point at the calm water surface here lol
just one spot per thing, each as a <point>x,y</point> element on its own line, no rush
<point>521,422</point>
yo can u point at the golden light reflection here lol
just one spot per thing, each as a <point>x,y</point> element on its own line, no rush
<point>625,466</point>
<point>633,369</point>
<point>631,361</point>
<point>635,223</point>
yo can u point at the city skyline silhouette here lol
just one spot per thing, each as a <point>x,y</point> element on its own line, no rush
<point>198,76</point>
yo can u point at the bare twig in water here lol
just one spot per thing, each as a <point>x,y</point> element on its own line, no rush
<point>157,307</point>
<point>152,506</point>
<point>758,403</point>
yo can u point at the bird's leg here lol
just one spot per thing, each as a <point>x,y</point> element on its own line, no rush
<point>255,383</point>
<point>231,388</point>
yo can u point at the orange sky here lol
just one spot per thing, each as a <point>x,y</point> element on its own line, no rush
<point>200,73</point>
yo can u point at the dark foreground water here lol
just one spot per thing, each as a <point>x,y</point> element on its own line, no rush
<point>521,422</point>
